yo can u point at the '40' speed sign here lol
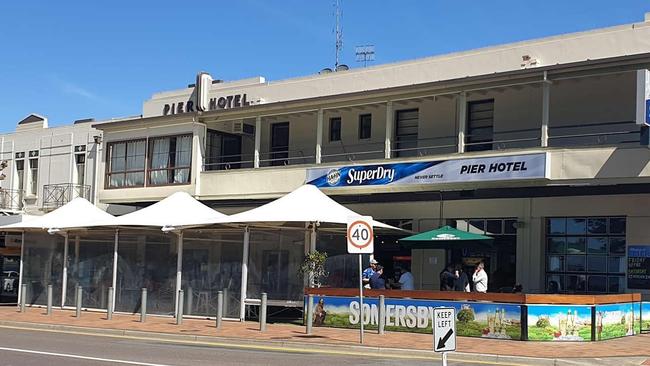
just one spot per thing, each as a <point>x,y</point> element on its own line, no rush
<point>361,238</point>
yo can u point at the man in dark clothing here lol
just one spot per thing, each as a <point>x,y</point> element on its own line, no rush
<point>377,282</point>
<point>447,278</point>
<point>461,281</point>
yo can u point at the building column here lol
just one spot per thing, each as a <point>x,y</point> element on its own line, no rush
<point>258,141</point>
<point>546,101</point>
<point>64,280</point>
<point>244,275</point>
<point>179,270</point>
<point>389,129</point>
<point>21,267</point>
<point>319,136</point>
<point>462,121</point>
<point>114,283</point>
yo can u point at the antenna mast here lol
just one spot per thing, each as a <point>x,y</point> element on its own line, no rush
<point>339,32</point>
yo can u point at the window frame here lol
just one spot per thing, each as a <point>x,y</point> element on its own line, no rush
<point>149,160</point>
<point>108,164</point>
<point>331,129</point>
<point>361,130</point>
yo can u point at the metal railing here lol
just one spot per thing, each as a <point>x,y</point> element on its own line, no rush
<point>350,153</point>
<point>11,199</point>
<point>57,195</point>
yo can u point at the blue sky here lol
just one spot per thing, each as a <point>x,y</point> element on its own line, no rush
<point>70,60</point>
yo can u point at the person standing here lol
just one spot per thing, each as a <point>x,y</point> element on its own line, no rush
<point>377,282</point>
<point>447,278</point>
<point>368,273</point>
<point>406,281</point>
<point>461,281</point>
<point>480,278</point>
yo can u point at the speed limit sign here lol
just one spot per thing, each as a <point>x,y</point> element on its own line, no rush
<point>361,238</point>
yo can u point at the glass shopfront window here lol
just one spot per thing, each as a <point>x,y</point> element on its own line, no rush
<point>42,266</point>
<point>212,263</point>
<point>146,259</point>
<point>585,254</point>
<point>274,259</point>
<point>90,265</point>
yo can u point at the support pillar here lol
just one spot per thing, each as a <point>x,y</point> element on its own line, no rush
<point>244,275</point>
<point>389,129</point>
<point>319,135</point>
<point>64,280</point>
<point>462,121</point>
<point>179,269</point>
<point>546,101</point>
<point>258,141</point>
<point>114,283</point>
<point>20,275</point>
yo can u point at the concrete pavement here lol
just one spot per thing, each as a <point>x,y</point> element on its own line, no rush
<point>333,342</point>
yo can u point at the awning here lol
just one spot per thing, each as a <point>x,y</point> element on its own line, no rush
<point>76,214</point>
<point>177,210</point>
<point>306,204</point>
<point>444,237</point>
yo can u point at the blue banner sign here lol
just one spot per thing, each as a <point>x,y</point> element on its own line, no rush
<point>514,167</point>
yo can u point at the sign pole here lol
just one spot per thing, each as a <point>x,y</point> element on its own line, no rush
<point>361,299</point>
<point>444,359</point>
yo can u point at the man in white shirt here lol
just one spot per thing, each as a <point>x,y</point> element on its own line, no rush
<point>406,281</point>
<point>480,278</point>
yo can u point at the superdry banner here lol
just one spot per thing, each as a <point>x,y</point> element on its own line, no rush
<point>531,166</point>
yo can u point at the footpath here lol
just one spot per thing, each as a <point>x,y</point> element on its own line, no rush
<point>292,338</point>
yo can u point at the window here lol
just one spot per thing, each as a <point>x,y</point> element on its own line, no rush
<point>585,254</point>
<point>335,129</point>
<point>406,132</point>
<point>126,164</point>
<point>480,124</point>
<point>33,177</point>
<point>170,160</point>
<point>280,144</point>
<point>365,126</point>
<point>80,165</point>
<point>20,175</point>
<point>224,151</point>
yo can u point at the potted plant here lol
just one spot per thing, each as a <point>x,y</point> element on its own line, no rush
<point>313,266</point>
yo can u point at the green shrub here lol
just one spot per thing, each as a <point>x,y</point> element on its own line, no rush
<point>465,315</point>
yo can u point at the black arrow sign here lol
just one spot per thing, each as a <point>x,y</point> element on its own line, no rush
<point>443,340</point>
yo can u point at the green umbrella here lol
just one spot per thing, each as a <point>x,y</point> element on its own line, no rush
<point>443,237</point>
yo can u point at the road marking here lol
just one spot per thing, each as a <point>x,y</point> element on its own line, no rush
<point>260,347</point>
<point>67,355</point>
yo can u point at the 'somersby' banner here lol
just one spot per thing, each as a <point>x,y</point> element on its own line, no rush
<point>530,166</point>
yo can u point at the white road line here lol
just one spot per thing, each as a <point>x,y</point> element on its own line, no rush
<point>66,355</point>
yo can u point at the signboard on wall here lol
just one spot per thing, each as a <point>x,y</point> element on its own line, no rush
<point>638,267</point>
<point>497,168</point>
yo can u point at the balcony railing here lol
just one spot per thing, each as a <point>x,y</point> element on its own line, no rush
<point>11,199</point>
<point>57,195</point>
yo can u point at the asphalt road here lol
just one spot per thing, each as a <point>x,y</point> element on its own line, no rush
<point>31,348</point>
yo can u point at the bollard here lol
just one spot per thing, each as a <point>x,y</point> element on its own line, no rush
<point>179,309</point>
<point>382,314</point>
<point>263,312</point>
<point>310,313</point>
<point>49,300</point>
<point>109,306</point>
<point>219,308</point>
<point>79,296</point>
<point>23,298</point>
<point>143,305</point>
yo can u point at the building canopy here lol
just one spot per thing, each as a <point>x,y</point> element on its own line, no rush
<point>78,213</point>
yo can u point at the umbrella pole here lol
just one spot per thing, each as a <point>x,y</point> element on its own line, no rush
<point>114,283</point>
<point>179,269</point>
<point>244,275</point>
<point>22,260</point>
<point>64,282</point>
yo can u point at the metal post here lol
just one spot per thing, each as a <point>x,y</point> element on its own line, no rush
<point>444,359</point>
<point>310,313</point>
<point>179,269</point>
<point>263,313</point>
<point>64,281</point>
<point>20,275</point>
<point>79,298</point>
<point>49,300</point>
<point>361,317</point>
<point>114,283</point>
<point>382,314</point>
<point>179,306</point>
<point>23,298</point>
<point>244,275</point>
<point>219,308</point>
<point>143,305</point>
<point>109,304</point>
